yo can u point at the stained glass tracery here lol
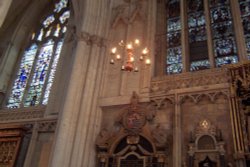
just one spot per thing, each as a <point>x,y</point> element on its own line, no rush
<point>38,64</point>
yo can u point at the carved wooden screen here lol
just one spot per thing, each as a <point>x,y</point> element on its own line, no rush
<point>10,139</point>
<point>9,148</point>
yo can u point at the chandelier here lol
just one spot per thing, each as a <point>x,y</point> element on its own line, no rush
<point>132,56</point>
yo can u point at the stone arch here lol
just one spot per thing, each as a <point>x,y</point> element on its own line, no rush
<point>206,142</point>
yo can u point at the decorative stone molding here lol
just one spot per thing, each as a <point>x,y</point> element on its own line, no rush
<point>47,126</point>
<point>18,115</point>
<point>92,39</point>
<point>162,101</point>
<point>189,80</point>
<point>211,95</point>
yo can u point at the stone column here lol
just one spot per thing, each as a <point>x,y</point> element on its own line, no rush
<point>79,119</point>
<point>4,8</point>
<point>184,37</point>
<point>177,134</point>
<point>32,146</point>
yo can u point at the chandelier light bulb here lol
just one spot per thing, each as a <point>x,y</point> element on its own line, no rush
<point>136,69</point>
<point>132,59</point>
<point>118,57</point>
<point>145,51</point>
<point>113,50</point>
<point>121,43</point>
<point>148,61</point>
<point>137,42</point>
<point>123,68</point>
<point>112,61</point>
<point>141,58</point>
<point>129,46</point>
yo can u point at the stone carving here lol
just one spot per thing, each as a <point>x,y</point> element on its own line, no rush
<point>189,80</point>
<point>103,137</point>
<point>240,93</point>
<point>92,39</point>
<point>205,127</point>
<point>159,135</point>
<point>123,13</point>
<point>47,126</point>
<point>135,116</point>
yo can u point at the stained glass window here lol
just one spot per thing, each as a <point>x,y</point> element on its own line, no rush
<point>245,16</point>
<point>197,35</point>
<point>174,57</point>
<point>223,34</point>
<point>38,64</point>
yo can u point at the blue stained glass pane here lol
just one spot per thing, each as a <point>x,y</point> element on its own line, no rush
<point>197,35</point>
<point>40,73</point>
<point>174,57</point>
<point>223,33</point>
<point>174,24</point>
<point>245,16</point>
<point>174,68</point>
<point>60,5</point>
<point>57,31</point>
<point>64,16</point>
<point>40,36</point>
<point>52,72</point>
<point>48,21</point>
<point>226,60</point>
<point>199,65</point>
<point>22,77</point>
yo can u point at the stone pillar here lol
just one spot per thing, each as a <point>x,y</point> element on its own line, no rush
<point>177,134</point>
<point>79,119</point>
<point>32,146</point>
<point>209,34</point>
<point>184,37</point>
<point>4,8</point>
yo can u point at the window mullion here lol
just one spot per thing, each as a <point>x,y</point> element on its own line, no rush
<point>239,33</point>
<point>184,37</point>
<point>31,74</point>
<point>209,34</point>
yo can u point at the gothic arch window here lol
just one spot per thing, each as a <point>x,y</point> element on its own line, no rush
<point>38,63</point>
<point>203,32</point>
